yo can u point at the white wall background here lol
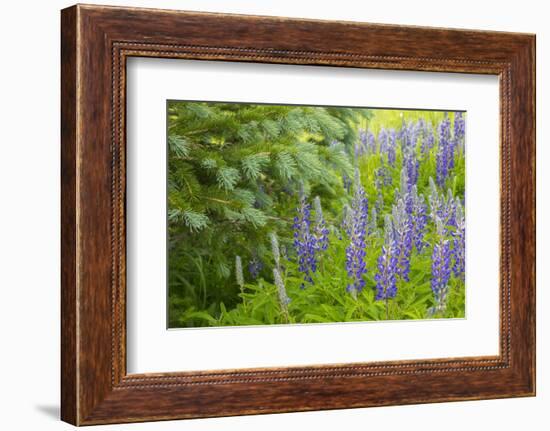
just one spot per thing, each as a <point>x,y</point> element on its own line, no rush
<point>29,215</point>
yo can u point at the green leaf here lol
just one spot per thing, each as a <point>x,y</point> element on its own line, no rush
<point>227,178</point>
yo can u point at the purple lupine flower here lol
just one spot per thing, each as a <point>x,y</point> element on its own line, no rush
<point>383,177</point>
<point>355,252</point>
<point>386,280</point>
<point>404,237</point>
<point>441,269</point>
<point>239,272</point>
<point>420,126</point>
<point>402,135</point>
<point>284,300</point>
<point>442,207</point>
<point>321,230</point>
<point>447,213</point>
<point>383,140</point>
<point>412,165</point>
<point>347,182</point>
<point>404,183</point>
<point>428,138</point>
<point>371,142</point>
<point>415,208</point>
<point>434,199</point>
<point>346,220</point>
<point>255,266</point>
<point>408,136</point>
<point>373,221</point>
<point>361,144</point>
<point>414,130</point>
<point>419,219</point>
<point>366,143</point>
<point>391,151</point>
<point>444,151</point>
<point>459,130</point>
<point>304,240</point>
<point>459,242</point>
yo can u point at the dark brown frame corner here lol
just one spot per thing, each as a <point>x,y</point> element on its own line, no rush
<point>95,43</point>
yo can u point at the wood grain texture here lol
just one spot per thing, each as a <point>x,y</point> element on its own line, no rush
<point>96,41</point>
<point>69,397</point>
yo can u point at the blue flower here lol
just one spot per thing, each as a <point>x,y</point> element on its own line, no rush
<point>371,143</point>
<point>441,269</point>
<point>321,230</point>
<point>346,219</point>
<point>404,237</point>
<point>386,281</point>
<point>459,241</point>
<point>255,266</point>
<point>383,140</point>
<point>347,182</point>
<point>442,207</point>
<point>408,135</point>
<point>419,218</point>
<point>383,178</point>
<point>428,138</point>
<point>355,252</point>
<point>459,132</point>
<point>445,152</point>
<point>391,147</point>
<point>304,240</point>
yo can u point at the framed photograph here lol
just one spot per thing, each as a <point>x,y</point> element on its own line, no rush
<point>264,214</point>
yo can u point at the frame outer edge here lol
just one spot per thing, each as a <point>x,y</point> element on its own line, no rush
<point>87,396</point>
<point>523,216</point>
<point>69,211</point>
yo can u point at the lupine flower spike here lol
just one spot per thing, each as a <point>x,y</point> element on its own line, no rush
<point>419,218</point>
<point>459,242</point>
<point>391,148</point>
<point>386,281</point>
<point>275,249</point>
<point>441,269</point>
<point>239,272</point>
<point>373,221</point>
<point>284,300</point>
<point>355,252</point>
<point>255,266</point>
<point>445,153</point>
<point>459,130</point>
<point>346,219</point>
<point>404,237</point>
<point>434,200</point>
<point>304,240</point>
<point>383,140</point>
<point>321,230</point>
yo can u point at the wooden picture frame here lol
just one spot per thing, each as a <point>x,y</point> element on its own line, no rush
<point>96,41</point>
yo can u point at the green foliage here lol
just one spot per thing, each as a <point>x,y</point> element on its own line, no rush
<point>231,170</point>
<point>234,175</point>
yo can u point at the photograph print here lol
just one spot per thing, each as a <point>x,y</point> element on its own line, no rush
<point>290,214</point>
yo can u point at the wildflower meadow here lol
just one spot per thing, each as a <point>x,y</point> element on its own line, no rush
<point>283,214</point>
